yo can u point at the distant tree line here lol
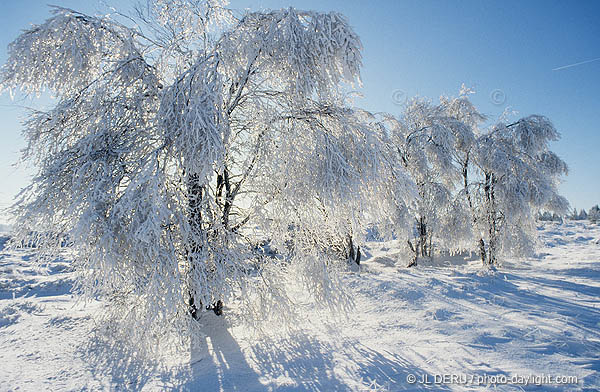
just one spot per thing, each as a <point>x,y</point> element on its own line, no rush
<point>593,215</point>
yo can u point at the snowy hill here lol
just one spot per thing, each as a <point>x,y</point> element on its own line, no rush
<point>447,326</point>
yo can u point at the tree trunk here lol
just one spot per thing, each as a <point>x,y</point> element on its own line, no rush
<point>494,221</point>
<point>482,252</point>
<point>353,255</point>
<point>430,248</point>
<point>195,195</point>
<point>422,227</point>
<point>423,244</point>
<point>195,221</point>
<point>413,263</point>
<point>350,248</point>
<point>490,181</point>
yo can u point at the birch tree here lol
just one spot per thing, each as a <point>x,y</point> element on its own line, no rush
<point>519,175</point>
<point>183,136</point>
<point>432,143</point>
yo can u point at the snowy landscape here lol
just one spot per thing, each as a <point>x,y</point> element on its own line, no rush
<point>538,317</point>
<point>210,207</point>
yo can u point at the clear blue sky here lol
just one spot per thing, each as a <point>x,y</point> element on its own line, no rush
<point>505,50</point>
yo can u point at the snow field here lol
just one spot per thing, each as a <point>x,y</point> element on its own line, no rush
<point>451,324</point>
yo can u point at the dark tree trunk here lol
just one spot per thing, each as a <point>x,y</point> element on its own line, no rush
<point>482,250</point>
<point>422,229</point>
<point>492,218</point>
<point>195,195</point>
<point>195,221</point>
<point>223,182</point>
<point>494,228</point>
<point>423,243</point>
<point>353,255</point>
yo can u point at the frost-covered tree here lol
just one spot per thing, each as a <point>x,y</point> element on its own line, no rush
<point>574,215</point>
<point>581,215</point>
<point>517,175</point>
<point>432,143</point>
<point>506,175</point>
<point>594,215</point>
<point>549,217</point>
<point>424,145</point>
<point>182,137</point>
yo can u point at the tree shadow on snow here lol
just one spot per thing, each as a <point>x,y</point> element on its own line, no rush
<point>213,363</point>
<point>115,366</point>
<point>303,363</point>
<point>556,317</point>
<point>217,362</point>
<point>297,362</point>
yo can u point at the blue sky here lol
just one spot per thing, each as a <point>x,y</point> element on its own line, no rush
<point>506,50</point>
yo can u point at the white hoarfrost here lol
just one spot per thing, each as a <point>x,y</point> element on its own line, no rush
<point>179,145</point>
<point>194,158</point>
<point>479,189</point>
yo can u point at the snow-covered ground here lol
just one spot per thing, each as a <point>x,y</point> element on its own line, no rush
<point>451,326</point>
